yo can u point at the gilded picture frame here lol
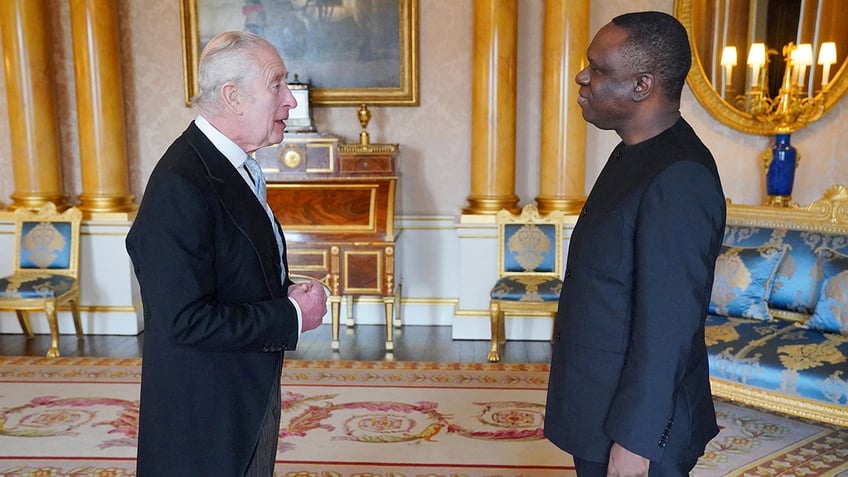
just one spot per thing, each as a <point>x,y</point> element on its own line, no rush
<point>348,52</point>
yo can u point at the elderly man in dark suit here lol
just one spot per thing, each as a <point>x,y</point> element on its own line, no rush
<point>219,307</point>
<point>629,390</point>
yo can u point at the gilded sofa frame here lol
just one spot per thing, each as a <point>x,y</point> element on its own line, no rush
<point>829,214</point>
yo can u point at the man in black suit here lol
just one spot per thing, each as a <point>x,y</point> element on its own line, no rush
<point>629,390</point>
<point>219,307</point>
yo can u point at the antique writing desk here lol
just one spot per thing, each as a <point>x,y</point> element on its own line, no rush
<point>336,203</point>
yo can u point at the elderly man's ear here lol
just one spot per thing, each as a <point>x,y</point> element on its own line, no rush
<point>231,98</point>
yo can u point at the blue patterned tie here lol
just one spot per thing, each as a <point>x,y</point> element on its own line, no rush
<point>259,188</point>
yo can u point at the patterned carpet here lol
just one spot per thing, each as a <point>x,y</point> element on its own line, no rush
<point>78,417</point>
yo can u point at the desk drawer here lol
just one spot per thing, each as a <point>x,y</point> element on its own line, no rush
<point>366,164</point>
<point>309,262</point>
<point>346,268</point>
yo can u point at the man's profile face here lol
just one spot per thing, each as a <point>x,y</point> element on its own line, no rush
<point>268,100</point>
<point>607,83</point>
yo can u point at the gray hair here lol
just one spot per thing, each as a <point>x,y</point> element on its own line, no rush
<point>229,56</point>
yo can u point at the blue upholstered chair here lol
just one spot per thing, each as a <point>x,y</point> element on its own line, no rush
<point>529,268</point>
<point>45,274</point>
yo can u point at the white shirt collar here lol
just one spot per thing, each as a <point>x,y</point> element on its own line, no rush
<point>225,145</point>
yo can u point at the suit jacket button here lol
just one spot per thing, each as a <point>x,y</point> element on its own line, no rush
<point>556,337</point>
<point>568,274</point>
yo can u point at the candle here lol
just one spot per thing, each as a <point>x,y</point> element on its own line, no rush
<point>827,57</point>
<point>728,60</point>
<point>803,57</point>
<point>756,60</point>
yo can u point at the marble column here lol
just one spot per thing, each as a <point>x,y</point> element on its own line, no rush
<point>33,122</point>
<point>562,172</point>
<point>100,107</point>
<point>493,107</point>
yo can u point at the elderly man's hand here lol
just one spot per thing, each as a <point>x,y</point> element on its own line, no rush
<point>312,300</point>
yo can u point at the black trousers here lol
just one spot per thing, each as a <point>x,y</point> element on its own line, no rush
<point>586,468</point>
<point>265,454</point>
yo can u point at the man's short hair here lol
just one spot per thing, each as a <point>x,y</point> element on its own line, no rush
<point>229,56</point>
<point>657,43</point>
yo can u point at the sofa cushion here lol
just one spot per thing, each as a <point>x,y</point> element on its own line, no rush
<point>743,281</point>
<point>831,312</point>
<point>779,356</point>
<point>798,280</point>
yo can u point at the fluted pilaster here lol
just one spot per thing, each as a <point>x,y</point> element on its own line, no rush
<point>100,107</point>
<point>562,172</point>
<point>36,158</point>
<point>493,107</point>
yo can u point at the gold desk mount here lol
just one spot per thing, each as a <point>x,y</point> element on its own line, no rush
<point>365,146</point>
<point>364,116</point>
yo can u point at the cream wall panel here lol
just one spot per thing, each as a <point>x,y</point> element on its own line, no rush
<point>435,135</point>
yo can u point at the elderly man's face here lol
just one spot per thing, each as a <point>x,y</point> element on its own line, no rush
<point>607,83</point>
<point>267,102</point>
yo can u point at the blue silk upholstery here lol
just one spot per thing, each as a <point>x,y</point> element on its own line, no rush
<point>42,285</point>
<point>798,280</point>
<point>743,281</point>
<point>529,249</point>
<point>831,312</point>
<point>779,356</point>
<point>527,288</point>
<point>44,246</point>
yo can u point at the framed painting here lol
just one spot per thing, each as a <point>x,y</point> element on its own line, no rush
<point>349,52</point>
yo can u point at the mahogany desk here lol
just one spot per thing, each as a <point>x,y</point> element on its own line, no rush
<point>336,203</point>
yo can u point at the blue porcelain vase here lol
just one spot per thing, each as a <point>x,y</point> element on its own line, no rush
<point>781,169</point>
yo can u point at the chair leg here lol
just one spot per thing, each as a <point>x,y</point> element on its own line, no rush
<point>398,294</point>
<point>26,326</point>
<point>495,316</point>
<point>349,304</point>
<point>53,322</point>
<point>75,311</point>
<point>502,330</point>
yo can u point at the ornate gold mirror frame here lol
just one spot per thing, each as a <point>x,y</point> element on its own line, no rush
<point>722,110</point>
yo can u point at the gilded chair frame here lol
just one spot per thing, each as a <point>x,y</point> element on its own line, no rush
<point>50,304</point>
<point>498,309</point>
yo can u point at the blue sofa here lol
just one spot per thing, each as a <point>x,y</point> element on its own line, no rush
<point>777,332</point>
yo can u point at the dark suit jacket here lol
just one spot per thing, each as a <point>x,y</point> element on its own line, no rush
<point>629,363</point>
<point>216,315</point>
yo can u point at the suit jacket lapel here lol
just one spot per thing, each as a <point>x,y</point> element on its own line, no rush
<point>237,199</point>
